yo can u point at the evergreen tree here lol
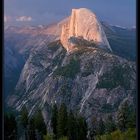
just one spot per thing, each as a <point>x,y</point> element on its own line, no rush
<point>10,127</point>
<point>110,124</point>
<point>131,120</point>
<point>123,116</point>
<point>94,128</point>
<point>131,123</point>
<point>39,123</point>
<point>71,124</point>
<point>62,121</point>
<point>54,119</point>
<point>24,117</point>
<point>82,129</point>
<point>31,133</point>
<point>101,127</point>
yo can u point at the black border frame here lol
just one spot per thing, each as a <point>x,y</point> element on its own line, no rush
<point>2,54</point>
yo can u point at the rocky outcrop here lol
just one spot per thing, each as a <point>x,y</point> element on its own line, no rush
<point>90,80</point>
<point>83,24</point>
<point>81,80</point>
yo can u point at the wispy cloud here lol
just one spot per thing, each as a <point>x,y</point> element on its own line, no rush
<point>134,26</point>
<point>6,18</point>
<point>24,18</point>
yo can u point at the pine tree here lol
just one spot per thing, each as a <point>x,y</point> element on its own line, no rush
<point>39,123</point>
<point>71,124</point>
<point>110,124</point>
<point>62,121</point>
<point>82,128</point>
<point>54,119</point>
<point>101,127</point>
<point>32,135</point>
<point>24,117</point>
<point>131,123</point>
<point>10,127</point>
<point>93,129</point>
<point>123,116</point>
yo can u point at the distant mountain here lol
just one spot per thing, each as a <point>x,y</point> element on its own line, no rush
<point>91,80</point>
<point>122,40</point>
<point>18,43</point>
<point>13,64</point>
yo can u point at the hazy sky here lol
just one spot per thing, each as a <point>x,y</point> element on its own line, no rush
<point>34,12</point>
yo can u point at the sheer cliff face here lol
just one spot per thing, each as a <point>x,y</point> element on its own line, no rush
<point>83,23</point>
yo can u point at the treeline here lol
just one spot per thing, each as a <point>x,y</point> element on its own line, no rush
<point>64,124</point>
<point>67,125</point>
<point>129,134</point>
<point>122,128</point>
<point>23,126</point>
<point>10,127</point>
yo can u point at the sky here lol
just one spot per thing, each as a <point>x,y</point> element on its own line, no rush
<point>44,12</point>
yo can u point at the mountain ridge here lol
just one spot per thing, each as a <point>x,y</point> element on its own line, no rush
<point>89,80</point>
<point>57,87</point>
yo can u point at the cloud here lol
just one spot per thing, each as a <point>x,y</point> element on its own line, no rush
<point>134,26</point>
<point>24,18</point>
<point>7,18</point>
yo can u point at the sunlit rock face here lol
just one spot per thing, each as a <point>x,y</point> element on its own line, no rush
<point>83,24</point>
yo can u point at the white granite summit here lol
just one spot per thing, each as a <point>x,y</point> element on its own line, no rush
<point>83,23</point>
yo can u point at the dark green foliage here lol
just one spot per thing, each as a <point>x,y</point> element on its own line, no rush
<point>81,129</point>
<point>54,119</point>
<point>69,70</point>
<point>77,127</point>
<point>71,124</point>
<point>24,117</point>
<point>64,138</point>
<point>131,119</point>
<point>94,128</point>
<point>39,123</point>
<point>31,132</point>
<point>110,124</point>
<point>118,76</point>
<point>62,121</point>
<point>48,137</point>
<point>130,134</point>
<point>53,46</point>
<point>121,120</point>
<point>58,59</point>
<point>35,123</point>
<point>100,127</point>
<point>68,125</point>
<point>126,117</point>
<point>10,127</point>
